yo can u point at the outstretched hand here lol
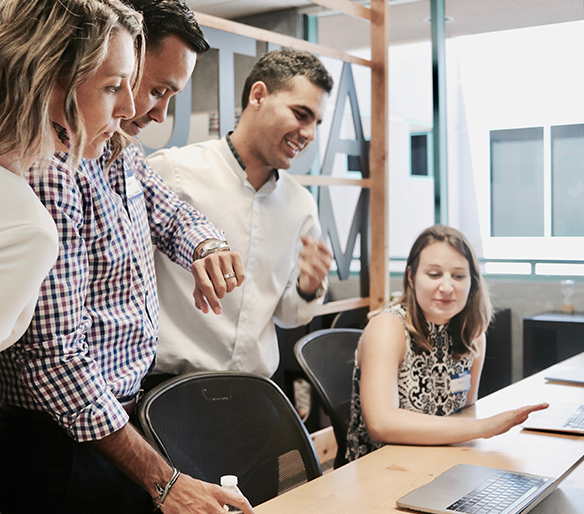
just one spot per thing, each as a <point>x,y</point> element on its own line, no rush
<point>216,275</point>
<point>505,421</point>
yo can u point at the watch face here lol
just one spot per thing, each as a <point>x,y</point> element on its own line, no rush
<point>213,246</point>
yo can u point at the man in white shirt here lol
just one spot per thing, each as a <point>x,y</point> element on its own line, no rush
<point>267,216</point>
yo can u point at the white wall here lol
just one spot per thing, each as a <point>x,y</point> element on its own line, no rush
<point>513,79</point>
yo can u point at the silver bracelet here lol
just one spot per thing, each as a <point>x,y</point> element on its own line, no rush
<point>212,246</point>
<point>163,492</point>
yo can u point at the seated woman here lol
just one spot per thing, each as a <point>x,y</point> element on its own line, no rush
<point>421,359</point>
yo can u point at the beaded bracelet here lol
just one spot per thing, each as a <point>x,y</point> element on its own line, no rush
<point>163,492</point>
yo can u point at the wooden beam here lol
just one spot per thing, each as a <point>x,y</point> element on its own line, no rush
<point>342,305</point>
<point>378,15</point>
<point>379,170</point>
<point>320,180</point>
<point>233,27</point>
<point>346,7</point>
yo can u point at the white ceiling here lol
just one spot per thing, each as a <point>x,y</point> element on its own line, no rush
<point>231,9</point>
<point>407,17</point>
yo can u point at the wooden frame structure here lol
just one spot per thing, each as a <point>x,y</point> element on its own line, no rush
<point>378,17</point>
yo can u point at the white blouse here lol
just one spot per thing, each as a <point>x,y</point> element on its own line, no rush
<point>29,246</point>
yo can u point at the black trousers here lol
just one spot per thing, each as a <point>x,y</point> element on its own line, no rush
<point>44,471</point>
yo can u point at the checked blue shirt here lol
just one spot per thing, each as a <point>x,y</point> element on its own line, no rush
<point>94,333</point>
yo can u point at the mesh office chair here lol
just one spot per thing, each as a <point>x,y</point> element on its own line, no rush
<point>327,357</point>
<point>212,424</point>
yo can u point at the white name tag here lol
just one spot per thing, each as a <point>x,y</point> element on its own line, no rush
<point>460,382</point>
<point>133,188</point>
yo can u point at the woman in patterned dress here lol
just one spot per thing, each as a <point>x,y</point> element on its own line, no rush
<point>421,359</point>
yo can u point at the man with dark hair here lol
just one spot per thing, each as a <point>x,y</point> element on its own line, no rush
<point>270,219</point>
<point>277,69</point>
<point>94,332</point>
<point>165,18</point>
<point>174,41</point>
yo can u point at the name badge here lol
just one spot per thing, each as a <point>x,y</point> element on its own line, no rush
<point>133,188</point>
<point>460,382</point>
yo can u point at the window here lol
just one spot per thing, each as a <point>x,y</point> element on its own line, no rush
<point>421,154</point>
<point>518,177</point>
<point>567,144</point>
<point>517,182</point>
<point>536,193</point>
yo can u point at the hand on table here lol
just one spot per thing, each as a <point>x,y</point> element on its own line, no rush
<point>190,496</point>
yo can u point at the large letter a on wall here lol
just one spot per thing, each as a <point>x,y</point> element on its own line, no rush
<point>358,148</point>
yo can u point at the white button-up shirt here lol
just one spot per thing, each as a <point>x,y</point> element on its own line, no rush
<point>265,227</point>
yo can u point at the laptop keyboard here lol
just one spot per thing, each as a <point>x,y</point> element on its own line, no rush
<point>497,494</point>
<point>577,419</point>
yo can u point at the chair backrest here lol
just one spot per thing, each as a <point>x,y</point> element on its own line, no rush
<point>228,423</point>
<point>327,357</point>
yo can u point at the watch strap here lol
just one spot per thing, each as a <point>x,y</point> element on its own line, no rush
<point>321,291</point>
<point>212,246</point>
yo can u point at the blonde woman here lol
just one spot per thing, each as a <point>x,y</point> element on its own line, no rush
<point>48,49</point>
<point>421,359</point>
<point>63,63</point>
<point>28,238</point>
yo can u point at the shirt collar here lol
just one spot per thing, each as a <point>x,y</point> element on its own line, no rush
<point>238,158</point>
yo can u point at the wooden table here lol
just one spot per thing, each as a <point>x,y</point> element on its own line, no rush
<point>373,483</point>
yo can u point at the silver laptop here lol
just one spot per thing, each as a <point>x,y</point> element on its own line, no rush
<point>558,417</point>
<point>572,376</point>
<point>480,490</point>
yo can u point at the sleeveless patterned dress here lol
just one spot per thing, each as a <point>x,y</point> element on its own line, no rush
<point>424,384</point>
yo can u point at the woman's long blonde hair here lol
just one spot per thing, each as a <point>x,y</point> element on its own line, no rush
<point>468,324</point>
<point>45,42</point>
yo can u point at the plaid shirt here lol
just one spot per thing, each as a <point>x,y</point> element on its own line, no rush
<point>94,334</point>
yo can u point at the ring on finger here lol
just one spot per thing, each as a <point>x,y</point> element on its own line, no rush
<point>229,275</point>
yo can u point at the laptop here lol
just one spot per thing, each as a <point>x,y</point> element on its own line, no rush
<point>558,417</point>
<point>480,490</point>
<point>572,376</point>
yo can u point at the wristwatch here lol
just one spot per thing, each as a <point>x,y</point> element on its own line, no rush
<point>212,246</point>
<point>321,291</point>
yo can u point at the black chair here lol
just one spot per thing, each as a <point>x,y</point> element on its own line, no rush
<point>327,357</point>
<point>212,424</point>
